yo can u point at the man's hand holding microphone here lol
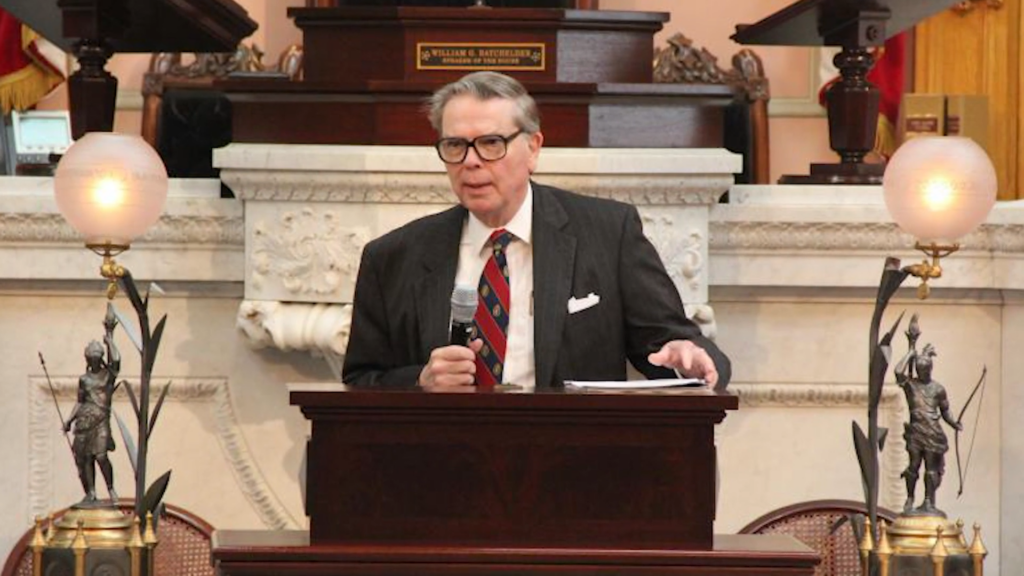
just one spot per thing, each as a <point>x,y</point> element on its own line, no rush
<point>452,368</point>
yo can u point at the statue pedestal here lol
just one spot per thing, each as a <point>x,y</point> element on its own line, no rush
<point>928,544</point>
<point>918,535</point>
<point>94,541</point>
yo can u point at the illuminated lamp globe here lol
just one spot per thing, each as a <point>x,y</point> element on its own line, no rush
<point>111,188</point>
<point>939,188</point>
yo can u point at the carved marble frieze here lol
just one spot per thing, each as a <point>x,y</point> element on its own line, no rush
<point>807,235</point>
<point>846,235</point>
<point>228,230</point>
<point>308,252</point>
<point>681,240</point>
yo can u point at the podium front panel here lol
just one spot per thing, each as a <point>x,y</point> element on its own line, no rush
<point>560,469</point>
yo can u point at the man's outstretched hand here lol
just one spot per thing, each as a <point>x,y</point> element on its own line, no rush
<point>688,359</point>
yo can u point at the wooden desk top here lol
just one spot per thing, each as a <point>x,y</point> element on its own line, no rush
<point>288,552</point>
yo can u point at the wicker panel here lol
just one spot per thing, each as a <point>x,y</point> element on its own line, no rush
<point>183,550</point>
<point>840,554</point>
<point>812,523</point>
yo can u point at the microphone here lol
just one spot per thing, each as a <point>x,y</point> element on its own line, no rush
<point>464,300</point>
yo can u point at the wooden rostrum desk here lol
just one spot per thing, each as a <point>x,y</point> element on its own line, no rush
<point>501,483</point>
<point>368,71</point>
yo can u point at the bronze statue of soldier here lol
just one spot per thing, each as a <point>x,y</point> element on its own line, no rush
<point>91,415</point>
<point>926,440</point>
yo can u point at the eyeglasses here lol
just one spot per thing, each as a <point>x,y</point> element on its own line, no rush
<point>489,147</point>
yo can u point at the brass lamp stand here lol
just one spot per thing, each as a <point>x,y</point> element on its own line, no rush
<point>111,188</point>
<point>938,189</point>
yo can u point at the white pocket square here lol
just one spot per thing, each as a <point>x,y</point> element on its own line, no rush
<point>583,303</point>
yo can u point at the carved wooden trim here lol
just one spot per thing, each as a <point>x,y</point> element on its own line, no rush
<point>682,62</point>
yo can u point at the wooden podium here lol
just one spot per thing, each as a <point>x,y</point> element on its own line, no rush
<point>368,71</point>
<point>566,482</point>
<point>538,470</point>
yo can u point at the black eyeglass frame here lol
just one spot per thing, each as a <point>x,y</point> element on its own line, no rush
<point>472,144</point>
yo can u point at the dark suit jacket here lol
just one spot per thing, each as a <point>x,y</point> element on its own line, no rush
<point>580,245</point>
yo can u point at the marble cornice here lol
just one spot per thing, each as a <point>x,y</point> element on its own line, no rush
<point>881,236</point>
<point>178,229</point>
<point>433,188</point>
<point>341,187</point>
<point>413,174</point>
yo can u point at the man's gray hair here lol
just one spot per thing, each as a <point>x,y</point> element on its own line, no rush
<point>485,86</point>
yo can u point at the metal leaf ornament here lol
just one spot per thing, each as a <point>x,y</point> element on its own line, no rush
<point>867,446</point>
<point>147,499</point>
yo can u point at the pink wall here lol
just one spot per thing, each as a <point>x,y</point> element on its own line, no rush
<point>795,141</point>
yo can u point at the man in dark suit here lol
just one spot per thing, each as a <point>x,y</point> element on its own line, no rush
<point>570,288</point>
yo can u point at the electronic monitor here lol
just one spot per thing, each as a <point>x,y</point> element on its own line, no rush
<point>38,133</point>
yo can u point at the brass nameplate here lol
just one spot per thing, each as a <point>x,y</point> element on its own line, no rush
<point>479,56</point>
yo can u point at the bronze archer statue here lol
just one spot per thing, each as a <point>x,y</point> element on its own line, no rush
<point>925,438</point>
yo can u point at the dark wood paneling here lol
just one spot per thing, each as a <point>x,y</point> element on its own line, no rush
<point>391,113</point>
<point>363,43</point>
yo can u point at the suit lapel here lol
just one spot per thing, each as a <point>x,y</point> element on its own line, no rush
<point>554,252</point>
<point>440,254</point>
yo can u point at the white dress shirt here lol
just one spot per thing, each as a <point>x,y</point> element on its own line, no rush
<point>473,255</point>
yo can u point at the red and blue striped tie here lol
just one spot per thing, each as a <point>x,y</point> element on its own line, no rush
<point>492,311</point>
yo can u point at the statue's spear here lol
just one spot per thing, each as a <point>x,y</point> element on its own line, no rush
<point>53,393</point>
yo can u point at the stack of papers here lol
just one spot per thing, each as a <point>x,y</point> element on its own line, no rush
<point>636,384</point>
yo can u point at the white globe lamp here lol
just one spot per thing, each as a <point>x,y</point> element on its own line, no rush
<point>111,188</point>
<point>939,189</point>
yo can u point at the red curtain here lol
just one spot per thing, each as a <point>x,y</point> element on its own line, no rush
<point>888,74</point>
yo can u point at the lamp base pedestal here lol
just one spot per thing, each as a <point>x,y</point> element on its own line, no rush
<point>102,527</point>
<point>914,548</point>
<point>914,534</point>
<point>93,541</point>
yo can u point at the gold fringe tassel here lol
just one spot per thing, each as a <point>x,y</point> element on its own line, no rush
<point>885,137</point>
<point>24,89</point>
